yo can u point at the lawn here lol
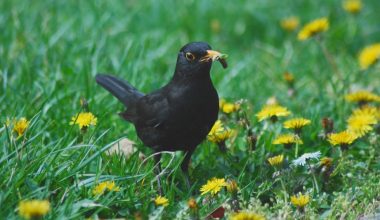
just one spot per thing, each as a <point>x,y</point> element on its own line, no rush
<point>50,52</point>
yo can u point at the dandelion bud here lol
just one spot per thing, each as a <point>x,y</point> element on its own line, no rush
<point>192,203</point>
<point>232,186</point>
<point>84,104</point>
<point>289,78</point>
<point>328,125</point>
<point>252,140</point>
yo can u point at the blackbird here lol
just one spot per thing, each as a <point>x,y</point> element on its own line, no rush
<point>178,116</point>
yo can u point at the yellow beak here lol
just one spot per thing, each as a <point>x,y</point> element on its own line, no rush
<point>213,55</point>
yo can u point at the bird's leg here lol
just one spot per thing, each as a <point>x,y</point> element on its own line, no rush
<point>157,159</point>
<point>185,167</point>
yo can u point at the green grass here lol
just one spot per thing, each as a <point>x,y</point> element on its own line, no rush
<point>51,50</point>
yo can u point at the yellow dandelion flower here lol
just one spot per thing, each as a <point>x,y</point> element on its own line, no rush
<point>102,187</point>
<point>33,208</point>
<point>300,200</point>
<point>213,186</point>
<point>361,124</point>
<point>276,161</point>
<point>352,6</point>
<point>326,161</point>
<point>343,139</point>
<point>84,120</point>
<point>246,216</point>
<point>228,107</point>
<point>313,28</point>
<point>368,110</point>
<point>272,112</point>
<point>221,103</point>
<point>296,123</point>
<point>287,140</point>
<point>219,133</point>
<point>161,201</point>
<point>369,56</point>
<point>20,126</point>
<point>362,97</point>
<point>290,23</point>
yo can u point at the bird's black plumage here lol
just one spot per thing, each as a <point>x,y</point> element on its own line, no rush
<point>179,115</point>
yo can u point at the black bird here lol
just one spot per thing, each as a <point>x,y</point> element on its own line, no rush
<point>178,116</point>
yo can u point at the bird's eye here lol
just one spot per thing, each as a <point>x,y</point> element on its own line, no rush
<point>190,56</point>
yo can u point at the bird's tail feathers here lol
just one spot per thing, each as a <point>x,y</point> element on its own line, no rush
<point>121,89</point>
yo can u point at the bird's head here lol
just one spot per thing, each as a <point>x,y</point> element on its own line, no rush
<point>195,59</point>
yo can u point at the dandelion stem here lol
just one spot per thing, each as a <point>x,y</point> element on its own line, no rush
<point>296,151</point>
<point>341,164</point>
<point>283,189</point>
<point>315,182</point>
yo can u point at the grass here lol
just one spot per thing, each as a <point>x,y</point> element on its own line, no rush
<point>51,50</point>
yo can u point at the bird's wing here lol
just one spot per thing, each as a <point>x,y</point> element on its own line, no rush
<point>153,110</point>
<point>121,89</point>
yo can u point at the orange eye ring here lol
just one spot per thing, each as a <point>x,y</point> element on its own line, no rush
<point>189,56</point>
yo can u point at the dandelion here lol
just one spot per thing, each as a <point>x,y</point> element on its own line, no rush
<point>326,161</point>
<point>161,201</point>
<point>352,6</point>
<point>290,23</point>
<point>246,216</point>
<point>228,107</point>
<point>369,56</point>
<point>313,28</point>
<point>20,126</point>
<point>105,186</point>
<point>301,161</point>
<point>276,161</point>
<point>343,139</point>
<point>218,133</point>
<point>33,208</point>
<point>368,110</point>
<point>287,140</point>
<point>296,124</point>
<point>361,124</point>
<point>272,112</point>
<point>362,97</point>
<point>84,120</point>
<point>213,186</point>
<point>300,200</point>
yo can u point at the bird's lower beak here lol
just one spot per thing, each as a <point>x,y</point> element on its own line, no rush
<point>213,55</point>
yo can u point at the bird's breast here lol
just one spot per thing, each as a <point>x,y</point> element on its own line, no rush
<point>195,106</point>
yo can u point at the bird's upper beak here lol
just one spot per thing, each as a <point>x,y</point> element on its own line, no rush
<point>213,55</point>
